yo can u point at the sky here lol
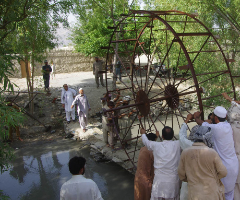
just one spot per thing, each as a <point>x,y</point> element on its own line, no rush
<point>63,33</point>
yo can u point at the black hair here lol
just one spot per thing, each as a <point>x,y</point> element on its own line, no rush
<point>151,136</point>
<point>209,116</point>
<point>75,164</point>
<point>110,103</point>
<point>220,119</point>
<point>167,133</point>
<point>198,140</point>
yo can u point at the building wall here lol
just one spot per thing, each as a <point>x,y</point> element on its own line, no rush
<point>65,60</point>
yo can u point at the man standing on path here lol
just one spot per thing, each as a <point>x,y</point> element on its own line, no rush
<point>83,108</point>
<point>53,70</point>
<point>67,96</point>
<point>97,67</point>
<point>224,145</point>
<point>46,70</point>
<point>78,187</point>
<point>166,183</point>
<point>105,100</point>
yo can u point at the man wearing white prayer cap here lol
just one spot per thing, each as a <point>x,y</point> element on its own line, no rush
<point>67,96</point>
<point>224,145</point>
<point>83,108</point>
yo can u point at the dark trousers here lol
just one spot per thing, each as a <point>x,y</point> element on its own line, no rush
<point>46,80</point>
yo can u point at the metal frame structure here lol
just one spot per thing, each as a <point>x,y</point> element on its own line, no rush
<point>170,37</point>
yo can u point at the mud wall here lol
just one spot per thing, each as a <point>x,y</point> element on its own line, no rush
<point>65,60</point>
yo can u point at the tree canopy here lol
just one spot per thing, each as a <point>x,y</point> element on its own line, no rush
<point>92,32</point>
<point>27,28</point>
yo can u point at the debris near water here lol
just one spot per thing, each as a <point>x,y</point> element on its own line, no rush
<point>98,156</point>
<point>70,135</point>
<point>53,131</point>
<point>86,144</point>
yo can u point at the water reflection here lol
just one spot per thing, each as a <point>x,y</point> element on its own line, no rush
<point>38,172</point>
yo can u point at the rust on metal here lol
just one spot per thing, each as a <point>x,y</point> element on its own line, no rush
<point>143,103</point>
<point>193,34</point>
<point>172,91</point>
<point>162,92</point>
<point>184,67</point>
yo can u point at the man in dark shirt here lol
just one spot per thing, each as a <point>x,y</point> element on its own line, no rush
<point>46,70</point>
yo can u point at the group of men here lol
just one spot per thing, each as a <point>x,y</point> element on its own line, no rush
<point>205,162</point>
<point>98,71</point>
<point>69,99</point>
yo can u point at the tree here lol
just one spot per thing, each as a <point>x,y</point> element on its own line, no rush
<point>92,31</point>
<point>222,18</point>
<point>22,27</point>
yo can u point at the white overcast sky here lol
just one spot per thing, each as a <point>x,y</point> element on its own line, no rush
<point>64,33</point>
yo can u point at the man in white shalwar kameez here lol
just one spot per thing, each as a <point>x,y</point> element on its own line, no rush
<point>83,108</point>
<point>67,97</point>
<point>79,187</point>
<point>166,155</point>
<point>224,145</point>
<point>233,117</point>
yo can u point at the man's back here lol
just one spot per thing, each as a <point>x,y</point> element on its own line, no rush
<point>80,188</point>
<point>202,168</point>
<point>166,158</point>
<point>166,155</point>
<point>144,175</point>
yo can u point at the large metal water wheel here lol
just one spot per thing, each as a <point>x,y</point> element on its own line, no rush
<point>183,67</point>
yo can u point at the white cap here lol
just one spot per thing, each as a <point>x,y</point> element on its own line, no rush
<point>80,89</point>
<point>220,112</point>
<point>126,98</point>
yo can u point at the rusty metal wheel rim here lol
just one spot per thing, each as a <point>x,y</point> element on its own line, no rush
<point>169,89</point>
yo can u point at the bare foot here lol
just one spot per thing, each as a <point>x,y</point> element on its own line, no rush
<point>20,139</point>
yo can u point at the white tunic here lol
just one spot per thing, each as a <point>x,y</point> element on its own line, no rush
<point>184,141</point>
<point>166,155</point>
<point>67,98</point>
<point>224,145</point>
<point>80,188</point>
<point>83,105</point>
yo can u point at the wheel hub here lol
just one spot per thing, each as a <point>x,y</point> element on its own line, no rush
<point>144,107</point>
<point>173,100</point>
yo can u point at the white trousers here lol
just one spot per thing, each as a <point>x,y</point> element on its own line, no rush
<point>72,113</point>
<point>82,120</point>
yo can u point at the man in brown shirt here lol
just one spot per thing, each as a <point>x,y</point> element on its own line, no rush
<point>202,168</point>
<point>145,172</point>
